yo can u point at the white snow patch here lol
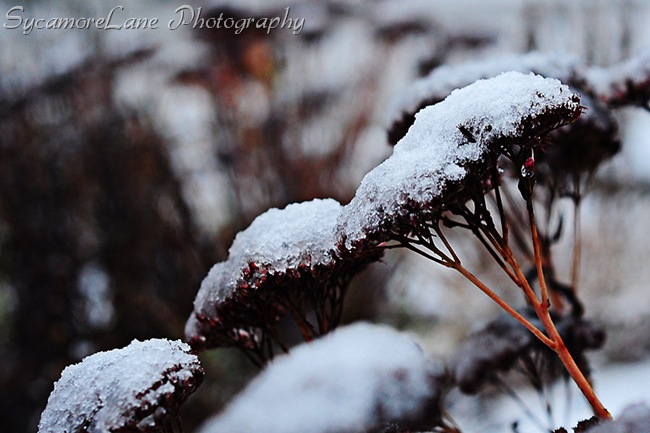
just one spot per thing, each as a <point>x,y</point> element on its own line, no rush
<point>279,239</point>
<point>107,388</point>
<point>434,152</point>
<point>284,238</point>
<point>337,383</point>
<point>614,79</point>
<point>442,80</point>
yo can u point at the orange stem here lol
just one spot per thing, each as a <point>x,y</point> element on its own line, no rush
<point>503,304</point>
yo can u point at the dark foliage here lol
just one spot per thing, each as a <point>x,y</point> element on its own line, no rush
<point>503,345</point>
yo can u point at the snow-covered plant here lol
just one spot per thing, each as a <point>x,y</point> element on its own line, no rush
<point>575,149</point>
<point>361,378</point>
<point>625,83</point>
<point>554,167</point>
<point>440,174</point>
<point>562,166</point>
<point>441,81</point>
<point>450,155</point>
<point>138,388</point>
<point>285,264</point>
<point>481,159</point>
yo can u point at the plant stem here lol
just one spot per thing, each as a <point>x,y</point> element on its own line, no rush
<point>503,304</point>
<point>577,246</point>
<point>542,309</point>
<point>537,253</point>
<point>570,365</point>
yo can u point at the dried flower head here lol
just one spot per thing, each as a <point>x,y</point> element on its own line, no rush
<point>582,146</point>
<point>285,263</point>
<point>441,81</point>
<point>354,380</point>
<point>138,388</point>
<point>450,153</point>
<point>576,148</point>
<point>503,344</point>
<point>623,84</point>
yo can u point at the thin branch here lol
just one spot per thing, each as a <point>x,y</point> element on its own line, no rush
<point>572,368</point>
<point>505,234</point>
<point>577,240</point>
<point>444,240</point>
<point>516,219</point>
<point>503,304</point>
<point>538,255</point>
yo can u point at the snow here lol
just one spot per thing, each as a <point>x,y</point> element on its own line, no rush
<point>388,13</point>
<point>442,80</point>
<point>610,82</point>
<point>97,307</point>
<point>435,154</point>
<point>352,380</point>
<point>213,289</point>
<point>283,238</point>
<point>279,239</point>
<point>121,388</point>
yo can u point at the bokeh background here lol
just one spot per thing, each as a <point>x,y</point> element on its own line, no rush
<point>129,159</point>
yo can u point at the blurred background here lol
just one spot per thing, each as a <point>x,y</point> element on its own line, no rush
<point>129,159</point>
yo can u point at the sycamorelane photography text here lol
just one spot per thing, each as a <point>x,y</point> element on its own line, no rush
<point>184,16</point>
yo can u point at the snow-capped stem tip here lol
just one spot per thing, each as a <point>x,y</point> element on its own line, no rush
<point>285,264</point>
<point>451,151</point>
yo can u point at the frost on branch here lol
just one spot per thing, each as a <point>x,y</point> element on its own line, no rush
<point>355,380</point>
<point>285,263</point>
<point>450,153</point>
<point>503,345</point>
<point>138,388</point>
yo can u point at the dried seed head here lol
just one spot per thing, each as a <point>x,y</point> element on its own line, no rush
<point>436,86</point>
<point>573,149</point>
<point>449,153</point>
<point>138,388</point>
<point>288,252</point>
<point>581,147</point>
<point>502,343</point>
<point>491,350</point>
<point>623,84</point>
